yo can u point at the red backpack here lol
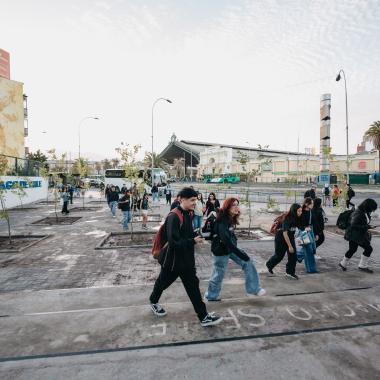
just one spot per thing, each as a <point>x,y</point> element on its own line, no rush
<point>160,240</point>
<point>277,223</point>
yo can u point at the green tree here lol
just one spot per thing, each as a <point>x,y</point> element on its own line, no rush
<point>158,161</point>
<point>115,163</point>
<point>106,164</point>
<point>373,135</point>
<point>38,156</point>
<point>3,211</point>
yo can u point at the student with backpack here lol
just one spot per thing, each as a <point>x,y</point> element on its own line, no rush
<point>124,204</point>
<point>224,247</point>
<point>358,235</point>
<point>168,194</point>
<point>327,195</point>
<point>177,259</point>
<point>285,242</point>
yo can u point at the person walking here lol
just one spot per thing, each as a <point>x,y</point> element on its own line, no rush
<point>350,193</point>
<point>198,212</point>
<point>335,195</point>
<point>308,224</point>
<point>285,243</point>
<point>144,211</point>
<point>319,224</point>
<point>71,193</point>
<point>310,193</point>
<point>176,203</point>
<point>113,198</point>
<point>154,193</point>
<point>177,260</point>
<point>327,195</point>
<point>168,194</point>
<point>107,191</point>
<point>358,235</point>
<point>224,247</point>
<point>124,204</point>
<point>212,204</point>
<point>65,198</point>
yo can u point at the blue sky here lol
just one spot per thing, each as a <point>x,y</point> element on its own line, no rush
<point>237,71</point>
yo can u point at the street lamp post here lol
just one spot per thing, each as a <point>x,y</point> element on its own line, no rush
<point>156,101</point>
<point>79,125</point>
<point>338,77</point>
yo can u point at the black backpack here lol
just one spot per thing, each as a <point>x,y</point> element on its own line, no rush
<point>343,220</point>
<point>350,193</point>
<point>327,191</point>
<point>208,227</point>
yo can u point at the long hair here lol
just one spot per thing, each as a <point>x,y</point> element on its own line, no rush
<point>212,193</point>
<point>307,201</point>
<point>368,205</point>
<point>317,203</point>
<point>291,215</point>
<point>200,194</point>
<point>224,212</point>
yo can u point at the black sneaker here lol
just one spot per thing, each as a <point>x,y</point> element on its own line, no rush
<point>367,270</point>
<point>342,267</point>
<point>210,320</point>
<point>291,276</point>
<point>158,310</point>
<point>270,270</point>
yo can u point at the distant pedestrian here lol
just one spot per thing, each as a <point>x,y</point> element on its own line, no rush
<point>168,194</point>
<point>285,242</point>
<point>198,212</point>
<point>124,205</point>
<point>71,193</point>
<point>65,199</point>
<point>327,195</point>
<point>224,247</point>
<point>113,198</point>
<point>155,193</point>
<point>311,193</point>
<point>176,202</point>
<point>358,235</point>
<point>212,204</point>
<point>177,260</point>
<point>335,194</point>
<point>350,193</point>
<point>107,191</point>
<point>144,210</point>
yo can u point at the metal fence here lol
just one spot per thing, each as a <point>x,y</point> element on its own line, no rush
<point>16,166</point>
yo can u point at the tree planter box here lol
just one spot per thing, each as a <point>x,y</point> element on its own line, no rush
<point>117,240</point>
<point>254,233</point>
<point>85,208</point>
<point>19,242</point>
<point>23,209</point>
<point>53,221</point>
<point>152,218</point>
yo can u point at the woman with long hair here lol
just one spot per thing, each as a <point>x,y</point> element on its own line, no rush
<point>357,235</point>
<point>224,247</point>
<point>319,222</point>
<point>212,204</point>
<point>198,212</point>
<point>284,242</point>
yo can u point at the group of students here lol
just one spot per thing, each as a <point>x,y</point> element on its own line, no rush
<point>128,200</point>
<point>304,222</point>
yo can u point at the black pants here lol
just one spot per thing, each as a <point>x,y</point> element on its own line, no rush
<point>64,208</point>
<point>280,249</point>
<point>321,239</point>
<point>353,247</point>
<point>189,280</point>
<point>349,203</point>
<point>71,197</point>
<point>168,199</point>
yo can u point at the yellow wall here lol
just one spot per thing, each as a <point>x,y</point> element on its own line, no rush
<point>11,118</point>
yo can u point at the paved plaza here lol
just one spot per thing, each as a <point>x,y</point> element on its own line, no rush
<point>69,311</point>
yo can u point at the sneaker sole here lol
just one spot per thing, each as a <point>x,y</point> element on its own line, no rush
<point>212,323</point>
<point>158,314</point>
<point>290,277</point>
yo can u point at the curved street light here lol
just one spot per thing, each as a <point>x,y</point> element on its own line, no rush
<point>155,102</point>
<point>338,78</point>
<point>79,125</point>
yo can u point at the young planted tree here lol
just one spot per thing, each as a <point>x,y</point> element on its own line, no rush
<point>3,211</point>
<point>18,190</point>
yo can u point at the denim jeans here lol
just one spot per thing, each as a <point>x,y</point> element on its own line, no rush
<point>126,219</point>
<point>155,196</point>
<point>113,207</point>
<point>307,252</point>
<point>197,221</point>
<point>252,281</point>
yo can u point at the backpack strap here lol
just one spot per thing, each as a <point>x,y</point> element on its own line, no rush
<point>179,214</point>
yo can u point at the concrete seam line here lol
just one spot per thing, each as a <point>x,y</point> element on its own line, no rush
<point>190,343</point>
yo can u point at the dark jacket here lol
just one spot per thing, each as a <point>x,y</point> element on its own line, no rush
<point>113,196</point>
<point>357,230</point>
<point>308,219</point>
<point>125,203</point>
<point>178,255</point>
<point>224,241</point>
<point>319,220</point>
<point>174,204</point>
<point>154,189</point>
<point>212,206</point>
<point>310,194</point>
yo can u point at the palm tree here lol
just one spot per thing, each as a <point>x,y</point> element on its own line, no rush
<point>373,135</point>
<point>115,163</point>
<point>158,161</point>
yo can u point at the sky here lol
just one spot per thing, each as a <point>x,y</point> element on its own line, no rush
<point>238,72</point>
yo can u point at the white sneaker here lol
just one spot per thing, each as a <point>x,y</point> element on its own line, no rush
<point>317,257</point>
<point>260,293</point>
